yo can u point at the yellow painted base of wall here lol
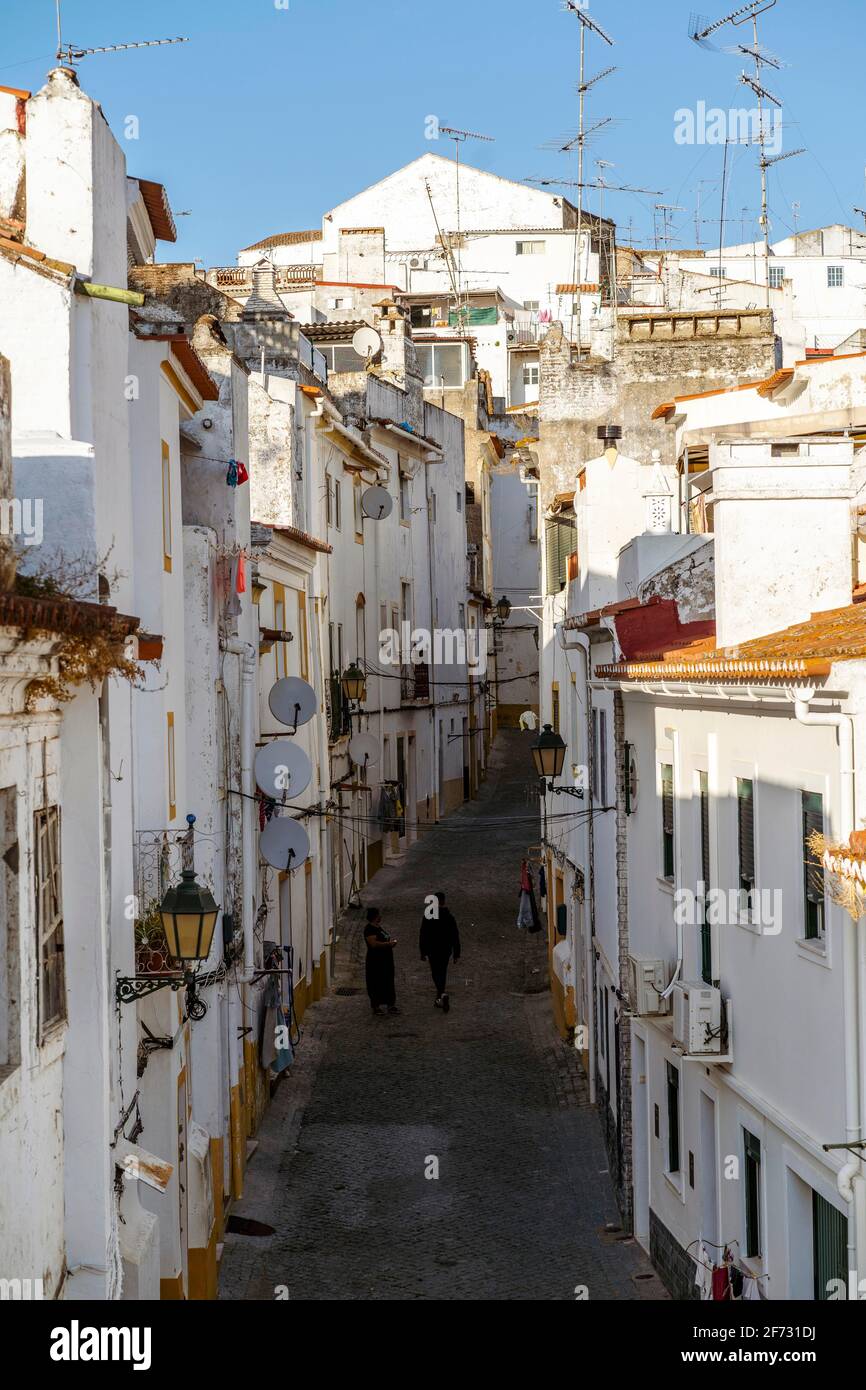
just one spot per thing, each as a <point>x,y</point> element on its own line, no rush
<point>203,1269</point>
<point>563,1007</point>
<point>171,1290</point>
<point>236,1115</point>
<point>217,1163</point>
<point>508,716</point>
<point>374,857</point>
<point>452,796</point>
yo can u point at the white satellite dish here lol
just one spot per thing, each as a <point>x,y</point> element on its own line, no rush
<point>292,701</point>
<point>367,342</point>
<point>284,843</point>
<point>377,503</point>
<point>363,750</point>
<point>282,769</point>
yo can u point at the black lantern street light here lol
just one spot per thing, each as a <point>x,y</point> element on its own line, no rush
<point>503,609</point>
<point>189,915</point>
<point>548,754</point>
<point>354,685</point>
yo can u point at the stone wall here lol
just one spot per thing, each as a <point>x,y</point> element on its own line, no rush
<point>677,1269</point>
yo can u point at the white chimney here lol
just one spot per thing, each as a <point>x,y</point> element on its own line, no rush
<point>781,517</point>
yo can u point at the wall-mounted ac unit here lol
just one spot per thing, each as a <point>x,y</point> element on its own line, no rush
<point>697,1018</point>
<point>646,982</point>
<point>417,263</point>
<point>512,337</point>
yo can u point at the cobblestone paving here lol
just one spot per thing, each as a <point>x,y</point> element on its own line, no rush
<point>523,1198</point>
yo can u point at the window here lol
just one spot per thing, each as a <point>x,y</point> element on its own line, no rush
<point>673,1090</point>
<point>421,315</point>
<point>830,1248</point>
<point>746,839</point>
<point>719,271</point>
<point>531,305</point>
<point>835,277</point>
<point>432,505</point>
<point>359,515</point>
<point>405,498</point>
<point>531,248</point>
<point>442,364</point>
<point>554,707</point>
<point>406,604</point>
<point>10,958</point>
<point>49,918</point>
<point>460,499</point>
<point>752,1165</point>
<point>602,756</point>
<point>470,494</point>
<point>461,617</point>
<point>777,276</point>
<point>329,510</point>
<point>667,781</point>
<point>341,357</point>
<point>560,541</point>
<point>302,636</point>
<point>813,868</point>
<point>171,766</point>
<point>530,374</point>
<point>281,659</point>
<point>166,508</point>
<point>706,931</point>
<point>594,770</point>
<point>335,648</point>
<point>333,502</point>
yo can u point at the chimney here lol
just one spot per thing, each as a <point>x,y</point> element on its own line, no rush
<point>781,517</point>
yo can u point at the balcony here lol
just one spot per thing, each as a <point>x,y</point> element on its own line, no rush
<point>236,278</point>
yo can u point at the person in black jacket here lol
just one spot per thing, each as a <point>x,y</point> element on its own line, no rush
<point>439,943</point>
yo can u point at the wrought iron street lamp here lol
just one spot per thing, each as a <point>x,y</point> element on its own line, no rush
<point>548,754</point>
<point>189,915</point>
<point>503,609</point>
<point>354,683</point>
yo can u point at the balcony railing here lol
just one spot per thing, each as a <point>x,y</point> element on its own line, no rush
<point>415,683</point>
<point>287,276</point>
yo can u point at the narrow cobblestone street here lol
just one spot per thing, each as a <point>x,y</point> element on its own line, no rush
<point>523,1198</point>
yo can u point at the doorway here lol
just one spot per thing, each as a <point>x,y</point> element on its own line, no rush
<point>640,1122</point>
<point>467,787</point>
<point>709,1179</point>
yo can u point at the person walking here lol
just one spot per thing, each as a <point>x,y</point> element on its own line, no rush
<point>379,965</point>
<point>439,943</point>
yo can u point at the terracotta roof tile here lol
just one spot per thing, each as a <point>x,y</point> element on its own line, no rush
<point>285,239</point>
<point>806,649</point>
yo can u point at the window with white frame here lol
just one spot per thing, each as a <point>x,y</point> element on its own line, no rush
<point>719,271</point>
<point>531,248</point>
<point>777,276</point>
<point>405,498</point>
<point>835,277</point>
<point>531,305</point>
<point>530,374</point>
<point>443,364</point>
<point>10,959</point>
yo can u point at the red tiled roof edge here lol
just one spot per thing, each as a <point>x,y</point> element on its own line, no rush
<point>63,615</point>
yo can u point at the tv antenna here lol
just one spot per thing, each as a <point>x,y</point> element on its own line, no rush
<point>667,211</point>
<point>587,26</point>
<point>460,137</point>
<point>69,53</point>
<point>701,32</point>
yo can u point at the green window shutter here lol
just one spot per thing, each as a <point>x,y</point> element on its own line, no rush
<point>706,930</point>
<point>560,541</point>
<point>830,1246</point>
<point>668,819</point>
<point>746,832</point>
<point>813,869</point>
<point>561,919</point>
<point>752,1147</point>
<point>673,1119</point>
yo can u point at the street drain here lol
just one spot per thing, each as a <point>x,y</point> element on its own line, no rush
<point>244,1226</point>
<point>401,1035</point>
<point>639,1278</point>
<point>346,990</point>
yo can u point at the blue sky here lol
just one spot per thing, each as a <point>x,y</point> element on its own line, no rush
<point>270,116</point>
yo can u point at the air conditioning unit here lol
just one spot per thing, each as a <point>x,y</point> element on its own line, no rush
<point>417,263</point>
<point>512,337</point>
<point>646,983</point>
<point>697,1017</point>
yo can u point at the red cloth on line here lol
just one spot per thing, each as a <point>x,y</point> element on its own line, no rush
<point>525,881</point>
<point>241,581</point>
<point>721,1283</point>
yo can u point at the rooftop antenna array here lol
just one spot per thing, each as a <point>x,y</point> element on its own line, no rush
<point>460,137</point>
<point>587,26</point>
<point>701,32</point>
<point>70,53</point>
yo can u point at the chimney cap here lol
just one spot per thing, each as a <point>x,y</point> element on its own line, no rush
<point>609,432</point>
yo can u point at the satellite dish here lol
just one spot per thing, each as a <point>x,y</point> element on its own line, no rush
<point>377,503</point>
<point>363,750</point>
<point>292,701</point>
<point>282,769</point>
<point>284,843</point>
<point>367,342</point>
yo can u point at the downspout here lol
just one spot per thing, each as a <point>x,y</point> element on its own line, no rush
<point>849,1179</point>
<point>578,641</point>
<point>247,652</point>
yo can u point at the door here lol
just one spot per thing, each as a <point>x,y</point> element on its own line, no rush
<point>401,791</point>
<point>182,1182</point>
<point>708,1176</point>
<point>440,809</point>
<point>640,1123</point>
<point>467,792</point>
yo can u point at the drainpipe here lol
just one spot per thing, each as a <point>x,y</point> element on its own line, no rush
<point>247,652</point>
<point>579,642</point>
<point>849,1180</point>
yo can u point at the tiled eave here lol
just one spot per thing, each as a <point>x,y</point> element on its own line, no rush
<point>724,671</point>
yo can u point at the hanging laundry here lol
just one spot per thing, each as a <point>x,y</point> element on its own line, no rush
<point>525,880</point>
<point>542,884</point>
<point>241,574</point>
<point>243,475</point>
<point>751,1290</point>
<point>703,1273</point>
<point>232,473</point>
<point>721,1283</point>
<point>529,719</point>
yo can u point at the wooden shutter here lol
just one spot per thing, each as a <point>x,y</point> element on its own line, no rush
<point>830,1245</point>
<point>673,1119</point>
<point>560,540</point>
<point>746,830</point>
<point>752,1148</point>
<point>813,869</point>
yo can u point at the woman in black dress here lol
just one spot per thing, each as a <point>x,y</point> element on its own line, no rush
<point>379,968</point>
